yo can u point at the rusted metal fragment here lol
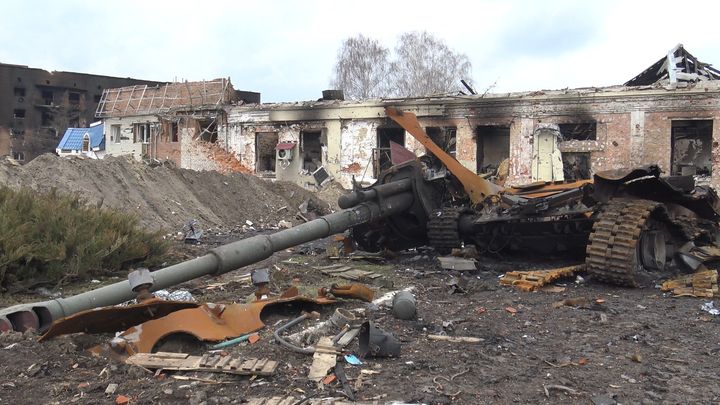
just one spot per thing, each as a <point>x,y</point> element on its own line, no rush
<point>114,319</point>
<point>532,280</point>
<point>208,322</point>
<point>701,284</point>
<point>211,362</point>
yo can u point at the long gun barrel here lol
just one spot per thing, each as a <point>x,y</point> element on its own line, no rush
<point>359,209</point>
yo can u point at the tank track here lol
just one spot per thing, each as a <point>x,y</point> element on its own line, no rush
<point>612,247</point>
<point>442,229</point>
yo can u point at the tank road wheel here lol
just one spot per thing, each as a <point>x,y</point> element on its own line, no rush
<point>629,238</point>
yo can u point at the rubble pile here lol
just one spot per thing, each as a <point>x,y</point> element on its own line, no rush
<point>166,197</point>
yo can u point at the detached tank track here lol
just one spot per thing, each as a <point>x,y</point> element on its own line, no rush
<point>612,247</point>
<point>442,229</point>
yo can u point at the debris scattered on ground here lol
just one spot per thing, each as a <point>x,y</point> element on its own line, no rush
<point>533,280</point>
<point>350,273</point>
<point>456,339</point>
<point>700,284</point>
<point>710,308</point>
<point>457,263</point>
<point>210,362</point>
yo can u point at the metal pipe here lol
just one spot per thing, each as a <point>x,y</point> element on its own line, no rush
<point>220,260</point>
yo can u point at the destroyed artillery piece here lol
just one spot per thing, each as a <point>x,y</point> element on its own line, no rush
<point>627,223</point>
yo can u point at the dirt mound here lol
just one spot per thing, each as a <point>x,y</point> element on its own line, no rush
<point>165,197</point>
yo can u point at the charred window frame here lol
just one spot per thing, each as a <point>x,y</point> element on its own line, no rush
<point>73,97</point>
<point>208,130</point>
<point>265,151</point>
<point>311,149</point>
<point>381,154</point>
<point>174,132</point>
<point>18,155</point>
<point>19,113</point>
<point>444,137</point>
<point>691,147</point>
<point>580,131</point>
<point>48,97</point>
<point>46,119</point>
<point>19,92</point>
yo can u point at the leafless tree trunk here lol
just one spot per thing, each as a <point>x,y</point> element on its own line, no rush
<point>425,65</point>
<point>362,68</point>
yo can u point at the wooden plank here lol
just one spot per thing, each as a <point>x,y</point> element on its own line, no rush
<point>248,365</point>
<point>269,367</point>
<point>223,362</point>
<point>259,365</point>
<point>337,270</point>
<point>169,355</point>
<point>204,360</point>
<point>235,363</point>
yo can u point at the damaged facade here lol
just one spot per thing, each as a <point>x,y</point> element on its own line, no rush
<point>601,128</point>
<point>180,122</point>
<point>37,106</point>
<point>668,117</point>
<point>665,116</point>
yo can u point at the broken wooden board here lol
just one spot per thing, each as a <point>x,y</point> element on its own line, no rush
<point>533,280</point>
<point>457,263</point>
<point>350,273</point>
<point>324,359</point>
<point>211,362</point>
<point>700,284</point>
<point>290,400</point>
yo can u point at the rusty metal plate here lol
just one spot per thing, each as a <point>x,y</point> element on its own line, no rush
<point>114,319</point>
<point>208,322</point>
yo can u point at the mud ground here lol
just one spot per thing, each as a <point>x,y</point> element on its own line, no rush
<point>636,346</point>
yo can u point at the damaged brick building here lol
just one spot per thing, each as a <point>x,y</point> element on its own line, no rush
<point>177,122</point>
<point>668,115</point>
<point>37,106</point>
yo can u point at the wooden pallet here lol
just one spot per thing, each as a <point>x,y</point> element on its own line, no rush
<point>700,284</point>
<point>211,362</point>
<point>350,273</point>
<point>532,280</point>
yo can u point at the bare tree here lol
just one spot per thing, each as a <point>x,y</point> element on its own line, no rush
<point>362,68</point>
<point>425,65</point>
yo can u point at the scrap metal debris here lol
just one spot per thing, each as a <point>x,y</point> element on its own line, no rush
<point>350,273</point>
<point>210,362</point>
<point>457,263</point>
<point>533,280</point>
<point>704,283</point>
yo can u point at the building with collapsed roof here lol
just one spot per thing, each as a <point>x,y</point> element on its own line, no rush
<point>177,122</point>
<point>668,115</point>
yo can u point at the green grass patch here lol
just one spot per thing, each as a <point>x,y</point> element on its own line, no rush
<point>53,238</point>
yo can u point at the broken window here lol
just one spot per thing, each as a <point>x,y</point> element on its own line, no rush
<point>48,97</point>
<point>265,143</point>
<point>444,137</point>
<point>115,133</point>
<point>19,91</point>
<point>576,165</point>
<point>19,156</point>
<point>586,131</point>
<point>174,132</point>
<point>311,150</point>
<point>381,155</point>
<point>493,146</point>
<point>141,133</point>
<point>46,119</point>
<point>208,130</point>
<point>86,143</point>
<point>17,132</point>
<point>691,147</point>
<point>19,113</point>
<point>74,98</point>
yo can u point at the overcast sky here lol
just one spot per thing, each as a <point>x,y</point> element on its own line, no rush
<point>286,50</point>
